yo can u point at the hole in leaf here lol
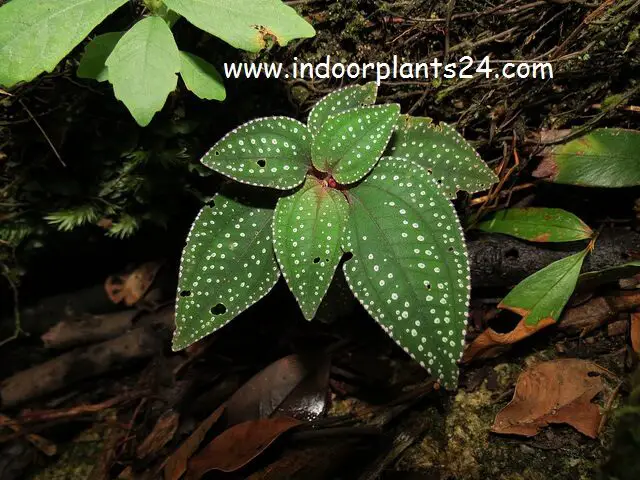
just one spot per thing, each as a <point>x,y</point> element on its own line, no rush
<point>185,293</point>
<point>316,260</point>
<point>261,163</point>
<point>593,374</point>
<point>219,309</point>
<point>439,181</point>
<point>428,286</point>
<point>216,153</point>
<point>512,253</point>
<point>450,249</point>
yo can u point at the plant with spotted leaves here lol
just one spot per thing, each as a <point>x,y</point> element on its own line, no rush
<point>358,178</point>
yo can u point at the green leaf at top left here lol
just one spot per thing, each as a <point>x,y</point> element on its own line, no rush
<point>271,152</point>
<point>143,68</point>
<point>36,34</point>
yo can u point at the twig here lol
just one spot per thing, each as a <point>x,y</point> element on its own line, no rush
<point>16,308</point>
<point>46,137</point>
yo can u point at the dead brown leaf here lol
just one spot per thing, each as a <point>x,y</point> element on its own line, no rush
<point>635,332</point>
<point>490,343</point>
<point>162,433</point>
<point>176,465</point>
<point>559,391</point>
<point>131,287</point>
<point>263,393</point>
<point>236,447</point>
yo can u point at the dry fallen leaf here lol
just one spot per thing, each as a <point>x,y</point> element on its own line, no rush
<point>131,287</point>
<point>236,447</point>
<point>635,332</point>
<point>490,343</point>
<point>559,391</point>
<point>176,464</point>
<point>162,433</point>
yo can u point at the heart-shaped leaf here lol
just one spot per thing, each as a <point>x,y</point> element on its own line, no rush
<point>201,77</point>
<point>410,268</point>
<point>607,157</point>
<point>349,144</point>
<point>143,68</point>
<point>542,296</point>
<point>243,24</point>
<point>339,101</point>
<point>443,152</point>
<point>537,225</point>
<point>308,228</point>
<point>36,34</point>
<point>92,65</point>
<point>269,152</point>
<point>227,266</point>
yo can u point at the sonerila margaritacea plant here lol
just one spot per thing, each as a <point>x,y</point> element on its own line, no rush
<point>358,178</point>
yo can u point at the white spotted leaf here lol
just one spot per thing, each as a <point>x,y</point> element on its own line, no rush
<point>409,267</point>
<point>443,152</point>
<point>227,265</point>
<point>308,232</point>
<point>349,144</point>
<point>268,152</point>
<point>339,101</point>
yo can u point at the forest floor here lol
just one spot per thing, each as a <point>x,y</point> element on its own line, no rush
<point>93,390</point>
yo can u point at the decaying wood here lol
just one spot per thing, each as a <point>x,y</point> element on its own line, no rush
<point>91,329</point>
<point>500,261</point>
<point>142,342</point>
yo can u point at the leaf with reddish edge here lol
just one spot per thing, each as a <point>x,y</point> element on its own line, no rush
<point>537,225</point>
<point>606,157</point>
<point>307,230</point>
<point>543,295</point>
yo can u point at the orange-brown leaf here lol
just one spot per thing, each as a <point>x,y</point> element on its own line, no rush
<point>176,464</point>
<point>131,287</point>
<point>635,332</point>
<point>559,391</point>
<point>236,447</point>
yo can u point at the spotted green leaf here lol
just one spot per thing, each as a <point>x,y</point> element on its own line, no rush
<point>244,24</point>
<point>409,267</point>
<point>537,225</point>
<point>92,64</point>
<point>201,77</point>
<point>349,144</point>
<point>143,68</point>
<point>443,152</point>
<point>36,34</point>
<point>227,266</point>
<point>339,101</point>
<point>268,152</point>
<point>543,295</point>
<point>606,157</point>
<point>308,228</point>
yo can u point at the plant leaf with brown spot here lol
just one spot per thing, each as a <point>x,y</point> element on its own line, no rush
<point>606,157</point>
<point>236,447</point>
<point>544,294</point>
<point>176,465</point>
<point>537,225</point>
<point>559,391</point>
